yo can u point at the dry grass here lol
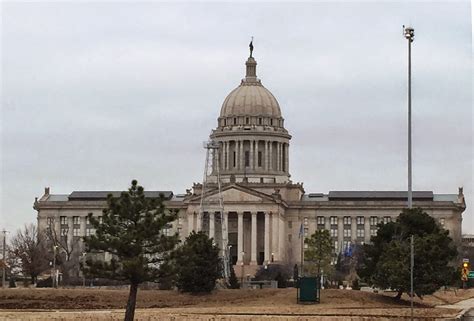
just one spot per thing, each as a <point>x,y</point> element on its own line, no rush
<point>221,302</point>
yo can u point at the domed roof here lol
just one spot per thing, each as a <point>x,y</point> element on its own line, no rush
<point>250,98</point>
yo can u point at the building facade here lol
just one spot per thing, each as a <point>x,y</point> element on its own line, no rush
<point>265,213</point>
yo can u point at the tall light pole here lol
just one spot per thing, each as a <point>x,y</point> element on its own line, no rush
<point>409,34</point>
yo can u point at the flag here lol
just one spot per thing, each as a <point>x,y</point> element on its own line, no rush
<point>301,231</point>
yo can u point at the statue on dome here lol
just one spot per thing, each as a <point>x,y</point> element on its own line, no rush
<point>251,47</point>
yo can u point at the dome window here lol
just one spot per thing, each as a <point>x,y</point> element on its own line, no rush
<point>247,121</point>
<point>260,121</point>
<point>235,121</point>
<point>225,122</point>
<point>271,122</point>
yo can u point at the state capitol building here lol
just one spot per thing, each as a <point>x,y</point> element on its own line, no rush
<point>265,212</point>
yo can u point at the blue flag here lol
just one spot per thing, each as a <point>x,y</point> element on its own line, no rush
<point>301,231</point>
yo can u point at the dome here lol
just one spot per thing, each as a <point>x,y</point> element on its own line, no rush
<point>251,98</point>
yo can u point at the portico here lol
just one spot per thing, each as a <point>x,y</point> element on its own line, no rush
<point>252,233</point>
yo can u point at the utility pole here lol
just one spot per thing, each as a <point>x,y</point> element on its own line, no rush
<point>412,265</point>
<point>4,265</point>
<point>409,34</point>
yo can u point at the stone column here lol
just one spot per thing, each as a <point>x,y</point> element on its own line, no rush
<point>227,149</point>
<point>367,229</point>
<point>282,239</point>
<point>237,154</point>
<point>340,232</point>
<point>266,155</point>
<point>267,238</point>
<point>70,236</point>
<point>241,156</point>
<point>327,223</point>
<point>212,227</point>
<point>353,229</point>
<point>83,225</point>
<point>287,158</point>
<point>226,227</point>
<point>275,236</point>
<point>190,222</point>
<point>270,155</point>
<point>251,156</point>
<point>199,221</point>
<point>278,156</point>
<point>240,237</point>
<point>256,155</point>
<point>253,250</point>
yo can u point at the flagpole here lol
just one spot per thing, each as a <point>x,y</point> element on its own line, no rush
<point>302,255</point>
<point>302,248</point>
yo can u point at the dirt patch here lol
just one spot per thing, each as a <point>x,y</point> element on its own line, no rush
<point>116,299</point>
<point>224,303</point>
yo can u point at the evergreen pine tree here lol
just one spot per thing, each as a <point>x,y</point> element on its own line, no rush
<point>132,231</point>
<point>198,264</point>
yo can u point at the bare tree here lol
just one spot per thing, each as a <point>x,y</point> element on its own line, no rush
<point>64,247</point>
<point>28,247</point>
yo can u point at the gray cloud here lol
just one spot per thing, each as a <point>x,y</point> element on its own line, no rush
<point>95,94</point>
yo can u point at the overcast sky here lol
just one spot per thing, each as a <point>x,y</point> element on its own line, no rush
<point>97,94</point>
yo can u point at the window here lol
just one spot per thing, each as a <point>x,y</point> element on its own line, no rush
<point>336,246</point>
<point>247,158</point>
<point>179,231</point>
<point>75,220</point>
<point>75,232</point>
<point>305,220</point>
<point>234,159</point>
<point>260,121</point>
<point>235,121</point>
<point>373,221</point>
<point>271,122</point>
<point>90,231</point>
<point>305,231</point>
<point>345,245</point>
<point>441,221</point>
<point>333,220</point>
<point>179,220</point>
<point>320,220</point>
<point>247,121</point>
<point>360,220</point>
<point>373,232</point>
<point>290,237</point>
<point>63,220</point>
<point>347,233</point>
<point>347,220</point>
<point>290,224</point>
<point>333,232</point>
<point>387,219</point>
<point>360,233</point>
<point>259,162</point>
<point>64,231</point>
<point>50,220</point>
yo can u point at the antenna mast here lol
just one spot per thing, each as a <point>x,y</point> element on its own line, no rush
<point>211,211</point>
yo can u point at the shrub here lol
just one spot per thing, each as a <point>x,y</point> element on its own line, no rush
<point>197,264</point>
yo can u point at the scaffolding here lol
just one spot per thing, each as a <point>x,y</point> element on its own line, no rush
<point>214,203</point>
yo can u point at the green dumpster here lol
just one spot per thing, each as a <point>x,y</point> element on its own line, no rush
<point>308,290</point>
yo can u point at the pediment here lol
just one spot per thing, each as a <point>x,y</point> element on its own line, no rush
<point>236,193</point>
